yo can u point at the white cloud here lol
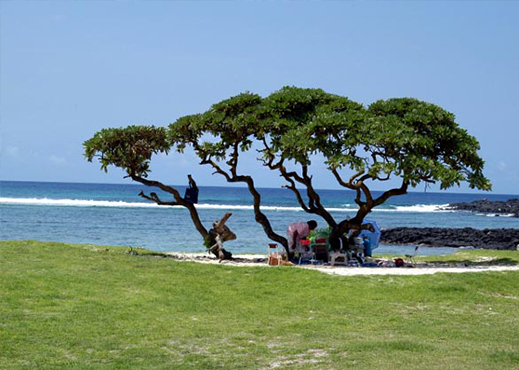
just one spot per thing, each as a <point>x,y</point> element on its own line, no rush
<point>12,151</point>
<point>57,160</point>
<point>502,166</point>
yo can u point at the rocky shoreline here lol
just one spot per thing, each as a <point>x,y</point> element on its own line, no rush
<point>504,239</point>
<point>509,207</point>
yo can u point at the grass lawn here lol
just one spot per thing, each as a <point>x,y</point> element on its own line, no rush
<point>68,306</point>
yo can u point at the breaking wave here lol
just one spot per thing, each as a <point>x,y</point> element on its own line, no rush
<point>73,202</point>
<point>426,208</point>
<point>419,208</point>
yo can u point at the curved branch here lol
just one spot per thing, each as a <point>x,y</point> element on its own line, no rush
<point>390,193</point>
<point>350,185</point>
<point>352,179</point>
<point>299,198</point>
<point>367,193</point>
<point>233,177</point>
<point>154,197</point>
<point>178,201</point>
<point>341,181</point>
<point>314,205</point>
<point>347,225</point>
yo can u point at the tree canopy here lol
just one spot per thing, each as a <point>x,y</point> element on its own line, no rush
<point>402,138</point>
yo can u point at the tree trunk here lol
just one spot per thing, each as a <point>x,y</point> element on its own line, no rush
<point>209,238</point>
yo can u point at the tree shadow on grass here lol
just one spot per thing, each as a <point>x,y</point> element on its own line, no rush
<point>469,263</point>
<point>417,263</point>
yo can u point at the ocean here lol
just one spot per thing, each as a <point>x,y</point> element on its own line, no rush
<point>113,214</point>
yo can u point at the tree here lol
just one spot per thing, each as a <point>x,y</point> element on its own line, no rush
<point>131,149</point>
<point>407,139</point>
<point>399,138</point>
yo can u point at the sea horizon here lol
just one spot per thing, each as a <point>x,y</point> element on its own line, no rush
<point>244,186</point>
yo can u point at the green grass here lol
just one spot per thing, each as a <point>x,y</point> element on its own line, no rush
<point>87,307</point>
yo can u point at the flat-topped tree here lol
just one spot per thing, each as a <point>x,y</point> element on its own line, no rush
<point>398,140</point>
<point>403,139</point>
<point>234,124</point>
<point>131,149</point>
<point>414,142</point>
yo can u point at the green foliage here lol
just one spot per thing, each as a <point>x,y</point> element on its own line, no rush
<point>231,124</point>
<point>129,148</point>
<point>422,142</point>
<point>309,121</point>
<point>406,138</point>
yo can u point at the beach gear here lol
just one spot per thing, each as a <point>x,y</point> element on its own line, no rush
<point>367,246</point>
<point>275,257</point>
<point>410,257</point>
<point>338,258</point>
<point>319,234</point>
<point>320,249</point>
<point>373,237</point>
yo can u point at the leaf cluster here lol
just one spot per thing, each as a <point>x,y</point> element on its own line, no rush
<point>129,148</point>
<point>231,123</point>
<point>419,141</point>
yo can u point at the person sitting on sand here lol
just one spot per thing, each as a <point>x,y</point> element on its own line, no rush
<point>298,231</point>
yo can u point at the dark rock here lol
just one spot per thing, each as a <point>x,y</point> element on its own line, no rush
<point>509,207</point>
<point>506,239</point>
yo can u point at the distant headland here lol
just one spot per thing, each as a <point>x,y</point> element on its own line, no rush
<point>497,207</point>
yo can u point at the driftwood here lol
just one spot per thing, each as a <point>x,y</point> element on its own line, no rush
<point>219,234</point>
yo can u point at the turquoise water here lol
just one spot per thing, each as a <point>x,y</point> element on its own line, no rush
<point>113,214</point>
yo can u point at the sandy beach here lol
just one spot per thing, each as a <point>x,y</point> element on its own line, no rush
<point>260,260</point>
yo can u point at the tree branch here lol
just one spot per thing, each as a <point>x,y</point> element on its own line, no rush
<point>314,205</point>
<point>299,198</point>
<point>154,197</point>
<point>178,201</point>
<point>233,177</point>
<point>341,182</point>
<point>390,193</point>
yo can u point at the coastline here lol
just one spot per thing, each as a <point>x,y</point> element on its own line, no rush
<point>508,208</point>
<point>111,214</point>
<point>501,239</point>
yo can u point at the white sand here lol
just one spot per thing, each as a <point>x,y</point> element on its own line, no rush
<point>259,260</point>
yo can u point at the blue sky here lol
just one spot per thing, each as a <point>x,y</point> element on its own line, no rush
<point>71,68</point>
